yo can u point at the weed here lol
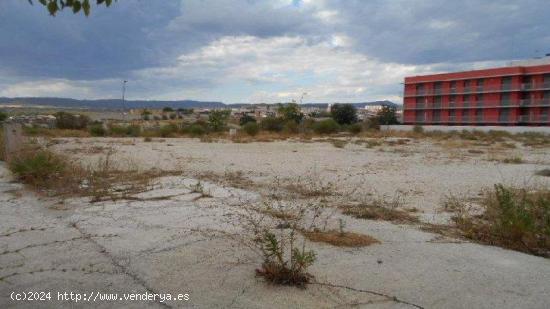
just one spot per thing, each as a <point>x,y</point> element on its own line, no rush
<point>341,239</point>
<point>545,172</point>
<point>380,209</point>
<point>278,269</point>
<point>338,143</point>
<point>417,129</point>
<point>512,160</point>
<point>372,143</point>
<point>251,128</point>
<point>513,218</point>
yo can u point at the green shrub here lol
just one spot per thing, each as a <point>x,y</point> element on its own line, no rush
<point>3,116</point>
<point>133,130</point>
<point>217,119</point>
<point>97,130</point>
<point>344,113</point>
<point>326,126</point>
<point>514,218</point>
<point>245,119</point>
<point>355,128</point>
<point>372,124</point>
<point>117,130</point>
<point>291,126</point>
<point>251,128</point>
<point>273,124</point>
<point>418,129</point>
<point>38,167</point>
<point>168,130</point>
<point>64,120</point>
<point>196,130</point>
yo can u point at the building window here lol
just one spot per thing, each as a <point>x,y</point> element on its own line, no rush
<point>452,115</point>
<point>505,99</point>
<point>479,115</point>
<point>506,83</point>
<point>420,102</point>
<point>466,100</point>
<point>437,102</point>
<point>544,114</point>
<point>465,117</point>
<point>467,86</point>
<point>419,116</point>
<point>452,101</point>
<point>437,116</point>
<point>479,100</point>
<point>504,115</point>
<point>420,89</point>
<point>453,86</point>
<point>438,87</point>
<point>479,84</point>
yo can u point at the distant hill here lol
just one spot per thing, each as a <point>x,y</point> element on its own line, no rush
<point>110,104</point>
<point>325,105</point>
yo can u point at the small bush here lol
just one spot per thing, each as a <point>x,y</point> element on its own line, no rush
<point>514,218</point>
<point>246,119</point>
<point>148,139</point>
<point>544,172</point>
<point>272,124</point>
<point>251,128</point>
<point>355,128</point>
<point>38,167</point>
<point>97,130</point>
<point>64,120</point>
<point>279,269</point>
<point>168,130</point>
<point>327,126</point>
<point>372,124</point>
<point>418,129</point>
<point>3,116</point>
<point>291,127</point>
<point>512,160</point>
<point>196,130</point>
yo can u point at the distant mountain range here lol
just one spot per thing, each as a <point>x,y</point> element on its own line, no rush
<point>110,104</point>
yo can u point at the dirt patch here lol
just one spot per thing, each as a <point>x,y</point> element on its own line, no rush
<point>341,239</point>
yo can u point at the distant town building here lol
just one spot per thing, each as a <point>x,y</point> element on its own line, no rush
<point>513,95</point>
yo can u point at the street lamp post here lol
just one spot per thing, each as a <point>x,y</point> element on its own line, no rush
<point>123,97</point>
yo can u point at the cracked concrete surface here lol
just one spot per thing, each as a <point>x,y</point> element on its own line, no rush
<point>153,243</point>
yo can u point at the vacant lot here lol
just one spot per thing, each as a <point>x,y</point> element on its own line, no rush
<point>174,236</point>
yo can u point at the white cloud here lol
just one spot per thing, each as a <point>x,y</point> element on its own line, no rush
<point>53,87</point>
<point>331,68</point>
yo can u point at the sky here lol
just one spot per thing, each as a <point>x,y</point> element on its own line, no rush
<point>251,51</point>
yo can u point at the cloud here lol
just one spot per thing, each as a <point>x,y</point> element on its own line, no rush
<point>243,50</point>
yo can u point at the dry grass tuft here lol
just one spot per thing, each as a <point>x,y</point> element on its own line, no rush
<point>381,208</point>
<point>513,218</point>
<point>545,172</point>
<point>341,239</point>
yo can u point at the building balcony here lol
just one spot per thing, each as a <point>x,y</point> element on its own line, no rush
<point>541,119</point>
<point>535,103</point>
<point>469,105</point>
<point>536,86</point>
<point>478,89</point>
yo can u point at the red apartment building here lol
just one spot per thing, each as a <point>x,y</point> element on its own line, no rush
<point>514,95</point>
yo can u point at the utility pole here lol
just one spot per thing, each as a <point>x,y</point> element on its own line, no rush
<point>123,95</point>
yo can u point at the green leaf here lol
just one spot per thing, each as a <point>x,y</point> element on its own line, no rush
<point>53,8</point>
<point>76,6</point>
<point>86,7</point>
<point>108,2</point>
<point>43,2</point>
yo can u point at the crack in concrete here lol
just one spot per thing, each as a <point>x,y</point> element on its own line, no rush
<point>123,269</point>
<point>389,297</point>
